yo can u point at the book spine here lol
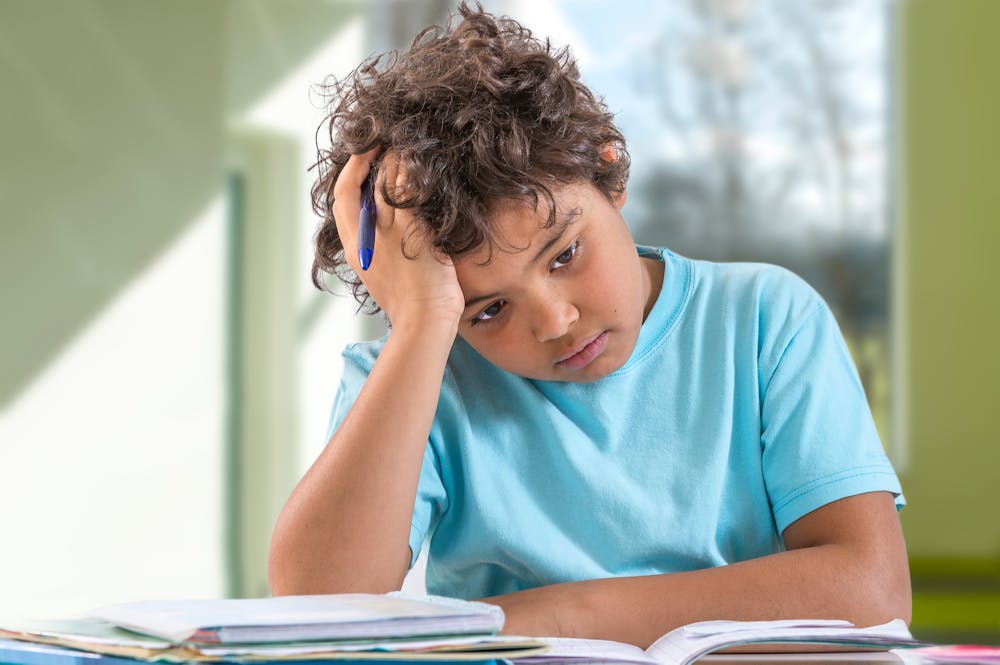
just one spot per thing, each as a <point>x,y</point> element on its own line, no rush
<point>205,636</point>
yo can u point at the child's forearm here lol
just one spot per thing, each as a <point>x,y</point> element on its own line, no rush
<point>864,580</point>
<point>639,610</point>
<point>346,526</point>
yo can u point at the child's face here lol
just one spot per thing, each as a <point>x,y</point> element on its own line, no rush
<point>569,306</point>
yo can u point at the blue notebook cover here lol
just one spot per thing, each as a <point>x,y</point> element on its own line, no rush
<point>15,652</point>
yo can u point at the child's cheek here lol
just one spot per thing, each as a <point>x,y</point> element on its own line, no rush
<point>500,347</point>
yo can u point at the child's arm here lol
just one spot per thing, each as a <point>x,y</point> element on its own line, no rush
<point>846,560</point>
<point>346,526</point>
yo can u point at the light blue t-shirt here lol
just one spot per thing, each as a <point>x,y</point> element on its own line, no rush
<point>739,411</point>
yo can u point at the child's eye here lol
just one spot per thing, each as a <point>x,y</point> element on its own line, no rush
<point>489,313</point>
<point>566,256</point>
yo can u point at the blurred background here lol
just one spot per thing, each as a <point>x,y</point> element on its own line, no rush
<point>167,368</point>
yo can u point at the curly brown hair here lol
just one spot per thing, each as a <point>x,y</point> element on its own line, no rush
<point>478,111</point>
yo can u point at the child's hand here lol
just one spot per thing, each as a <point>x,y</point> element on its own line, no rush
<point>417,288</point>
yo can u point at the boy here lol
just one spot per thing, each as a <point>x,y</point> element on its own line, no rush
<point>606,441</point>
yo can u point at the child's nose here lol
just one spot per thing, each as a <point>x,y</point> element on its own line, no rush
<point>554,319</point>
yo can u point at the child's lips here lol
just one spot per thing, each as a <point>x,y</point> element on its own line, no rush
<point>584,353</point>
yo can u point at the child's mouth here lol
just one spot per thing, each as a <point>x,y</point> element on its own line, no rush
<point>586,353</point>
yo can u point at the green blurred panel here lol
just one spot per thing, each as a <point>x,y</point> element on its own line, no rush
<point>951,102</point>
<point>956,599</point>
<point>957,616</point>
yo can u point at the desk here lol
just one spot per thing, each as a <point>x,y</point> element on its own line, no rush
<point>13,652</point>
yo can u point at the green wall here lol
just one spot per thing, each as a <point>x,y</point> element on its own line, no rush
<point>113,137</point>
<point>951,216</point>
<point>118,125</point>
<point>112,141</point>
<point>950,223</point>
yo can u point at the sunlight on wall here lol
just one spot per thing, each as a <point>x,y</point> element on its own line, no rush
<point>111,464</point>
<point>292,110</point>
<point>288,109</point>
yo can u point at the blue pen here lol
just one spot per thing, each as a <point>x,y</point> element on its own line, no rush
<point>366,223</point>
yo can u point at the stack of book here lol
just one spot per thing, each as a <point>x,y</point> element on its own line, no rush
<point>387,627</point>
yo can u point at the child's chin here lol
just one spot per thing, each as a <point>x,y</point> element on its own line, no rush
<point>599,373</point>
<point>597,370</point>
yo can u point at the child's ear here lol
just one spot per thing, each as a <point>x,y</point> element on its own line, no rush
<point>609,154</point>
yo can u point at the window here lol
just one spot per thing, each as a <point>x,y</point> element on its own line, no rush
<point>758,131</point>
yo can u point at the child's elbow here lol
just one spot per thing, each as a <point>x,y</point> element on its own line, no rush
<point>282,576</point>
<point>886,595</point>
<point>897,600</point>
<point>288,575</point>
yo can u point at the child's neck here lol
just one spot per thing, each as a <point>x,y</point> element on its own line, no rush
<point>652,279</point>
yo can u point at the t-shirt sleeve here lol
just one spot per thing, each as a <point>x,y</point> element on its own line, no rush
<point>431,496</point>
<point>818,437</point>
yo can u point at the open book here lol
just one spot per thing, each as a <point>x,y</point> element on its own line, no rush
<point>688,643</point>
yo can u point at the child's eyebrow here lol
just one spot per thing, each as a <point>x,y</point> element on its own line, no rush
<point>550,242</point>
<point>545,249</point>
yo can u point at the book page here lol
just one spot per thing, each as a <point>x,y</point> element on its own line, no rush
<point>575,650</point>
<point>684,645</point>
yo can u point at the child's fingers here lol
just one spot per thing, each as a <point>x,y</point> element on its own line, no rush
<point>354,173</point>
<point>388,174</point>
<point>392,174</point>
